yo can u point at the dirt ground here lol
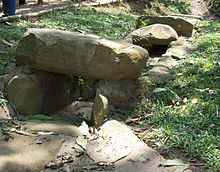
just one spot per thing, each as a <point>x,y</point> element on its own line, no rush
<point>32,6</point>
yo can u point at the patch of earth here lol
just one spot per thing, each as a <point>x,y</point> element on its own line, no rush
<point>32,6</point>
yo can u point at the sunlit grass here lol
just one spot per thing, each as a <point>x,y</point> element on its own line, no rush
<point>192,123</point>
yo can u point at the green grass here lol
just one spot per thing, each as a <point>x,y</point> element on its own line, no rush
<point>162,7</point>
<point>89,20</point>
<point>9,36</point>
<point>186,113</point>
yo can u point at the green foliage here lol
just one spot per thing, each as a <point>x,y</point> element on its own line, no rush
<point>40,117</point>
<point>5,58</point>
<point>167,7</point>
<point>9,35</point>
<point>92,20</point>
<point>214,5</point>
<point>186,109</point>
<point>87,20</point>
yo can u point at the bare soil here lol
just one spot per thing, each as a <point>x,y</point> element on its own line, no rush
<point>31,6</point>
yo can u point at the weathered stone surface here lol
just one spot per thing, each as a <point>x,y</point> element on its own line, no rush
<point>7,112</point>
<point>179,51</point>
<point>181,26</point>
<point>81,55</point>
<point>167,61</point>
<point>123,94</point>
<point>26,94</point>
<point>57,127</point>
<point>157,34</point>
<point>58,90</point>
<point>99,110</point>
<point>78,111</point>
<point>33,91</point>
<point>23,154</point>
<point>159,73</point>
<point>119,141</point>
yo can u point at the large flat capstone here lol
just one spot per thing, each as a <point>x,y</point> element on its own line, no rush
<point>79,54</point>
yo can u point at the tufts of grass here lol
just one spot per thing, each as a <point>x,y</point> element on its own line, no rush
<point>89,20</point>
<point>167,7</point>
<point>186,109</point>
<point>9,36</point>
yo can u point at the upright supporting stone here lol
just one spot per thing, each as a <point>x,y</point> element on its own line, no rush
<point>26,94</point>
<point>124,94</point>
<point>99,110</point>
<point>40,92</point>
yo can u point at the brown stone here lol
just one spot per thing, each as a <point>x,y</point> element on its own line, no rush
<point>81,54</point>
<point>180,25</point>
<point>99,110</point>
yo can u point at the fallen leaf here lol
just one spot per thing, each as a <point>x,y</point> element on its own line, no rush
<point>207,66</point>
<point>77,150</point>
<point>175,57</point>
<point>45,133</point>
<point>173,162</point>
<point>123,153</point>
<point>19,132</point>
<point>194,101</point>
<point>39,141</point>
<point>81,142</point>
<point>158,90</point>
<point>84,128</point>
<point>41,117</point>
<point>144,160</point>
<point>182,168</point>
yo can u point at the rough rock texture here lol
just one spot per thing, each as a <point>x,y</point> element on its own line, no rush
<point>157,34</point>
<point>179,52</point>
<point>58,127</point>
<point>181,26</point>
<point>57,90</point>
<point>76,112</point>
<point>99,110</point>
<point>40,92</point>
<point>123,94</point>
<point>23,154</point>
<point>159,73</point>
<point>80,55</point>
<point>26,94</point>
<point>115,143</point>
<point>7,112</point>
<point>119,141</point>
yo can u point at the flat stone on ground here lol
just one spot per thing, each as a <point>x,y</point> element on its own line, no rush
<point>120,145</point>
<point>57,127</point>
<point>22,153</point>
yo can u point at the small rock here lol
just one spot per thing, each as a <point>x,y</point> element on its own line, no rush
<point>180,25</point>
<point>156,34</point>
<point>100,109</point>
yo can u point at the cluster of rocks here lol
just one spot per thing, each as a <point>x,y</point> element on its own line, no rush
<point>58,67</point>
